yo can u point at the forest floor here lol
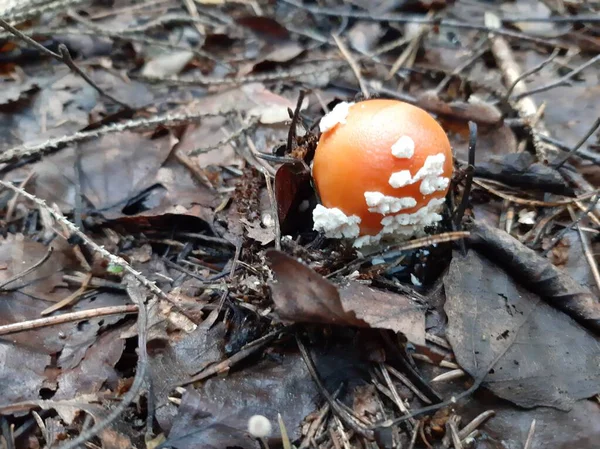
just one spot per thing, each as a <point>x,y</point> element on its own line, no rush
<point>162,285</point>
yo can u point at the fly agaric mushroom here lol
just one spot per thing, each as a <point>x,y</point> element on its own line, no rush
<point>382,169</point>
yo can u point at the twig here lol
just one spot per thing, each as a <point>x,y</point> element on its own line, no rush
<point>526,107</point>
<point>450,375</point>
<point>559,82</point>
<point>475,423</point>
<point>464,201</point>
<point>530,72</point>
<point>412,18</point>
<point>292,132</point>
<point>64,57</point>
<point>587,251</point>
<point>168,119</point>
<point>478,50</point>
<point>582,152</point>
<point>348,419</point>
<point>115,260</point>
<point>559,236</point>
<point>274,213</point>
<point>415,434</point>
<point>532,203</point>
<point>402,378</point>
<point>579,144</point>
<point>410,51</point>
<point>69,299</point>
<point>353,65</point>
<point>529,440</point>
<point>25,326</point>
<point>28,270</point>
<point>396,397</point>
<point>137,294</point>
<point>293,74</point>
<point>193,10</point>
<point>451,425</point>
<point>229,138</point>
<point>227,364</point>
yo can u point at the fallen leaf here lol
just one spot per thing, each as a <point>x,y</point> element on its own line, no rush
<point>133,159</point>
<point>385,310</point>
<point>539,275</point>
<point>167,64</point>
<point>263,235</point>
<point>530,353</point>
<point>302,295</point>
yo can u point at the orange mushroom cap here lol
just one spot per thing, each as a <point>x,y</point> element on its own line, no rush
<point>381,167</point>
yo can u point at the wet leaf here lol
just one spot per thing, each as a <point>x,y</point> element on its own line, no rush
<point>538,274</point>
<point>530,353</point>
<point>134,159</point>
<point>295,197</point>
<point>302,295</point>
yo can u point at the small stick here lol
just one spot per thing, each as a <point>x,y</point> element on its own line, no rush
<point>451,423</point>
<point>587,251</point>
<point>392,387</point>
<point>353,65</point>
<point>25,326</point>
<point>530,72</point>
<point>529,440</point>
<point>475,423</point>
<point>115,260</point>
<point>464,201</point>
<point>450,375</point>
<point>532,203</point>
<point>559,82</point>
<point>64,57</point>
<point>479,49</point>
<point>28,270</point>
<point>273,202</point>
<point>413,438</point>
<point>579,144</point>
<point>17,153</point>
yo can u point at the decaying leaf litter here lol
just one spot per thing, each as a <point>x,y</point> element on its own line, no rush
<point>161,281</point>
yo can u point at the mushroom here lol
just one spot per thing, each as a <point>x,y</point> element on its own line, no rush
<point>382,169</point>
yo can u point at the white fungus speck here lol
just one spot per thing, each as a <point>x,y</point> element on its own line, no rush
<point>337,116</point>
<point>404,148</point>
<point>415,280</point>
<point>384,204</point>
<point>259,426</point>
<point>334,223</point>
<point>400,179</point>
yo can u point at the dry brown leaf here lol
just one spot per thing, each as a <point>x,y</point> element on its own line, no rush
<point>302,295</point>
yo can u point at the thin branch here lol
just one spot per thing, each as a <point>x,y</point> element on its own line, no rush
<point>479,49</point>
<point>559,82</point>
<point>168,119</point>
<point>64,57</point>
<point>28,270</point>
<point>352,63</point>
<point>579,144</point>
<point>412,18</point>
<point>25,326</point>
<point>294,74</point>
<point>464,201</point>
<point>115,260</point>
<point>136,293</point>
<point>348,419</point>
<point>530,72</point>
<point>529,439</point>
